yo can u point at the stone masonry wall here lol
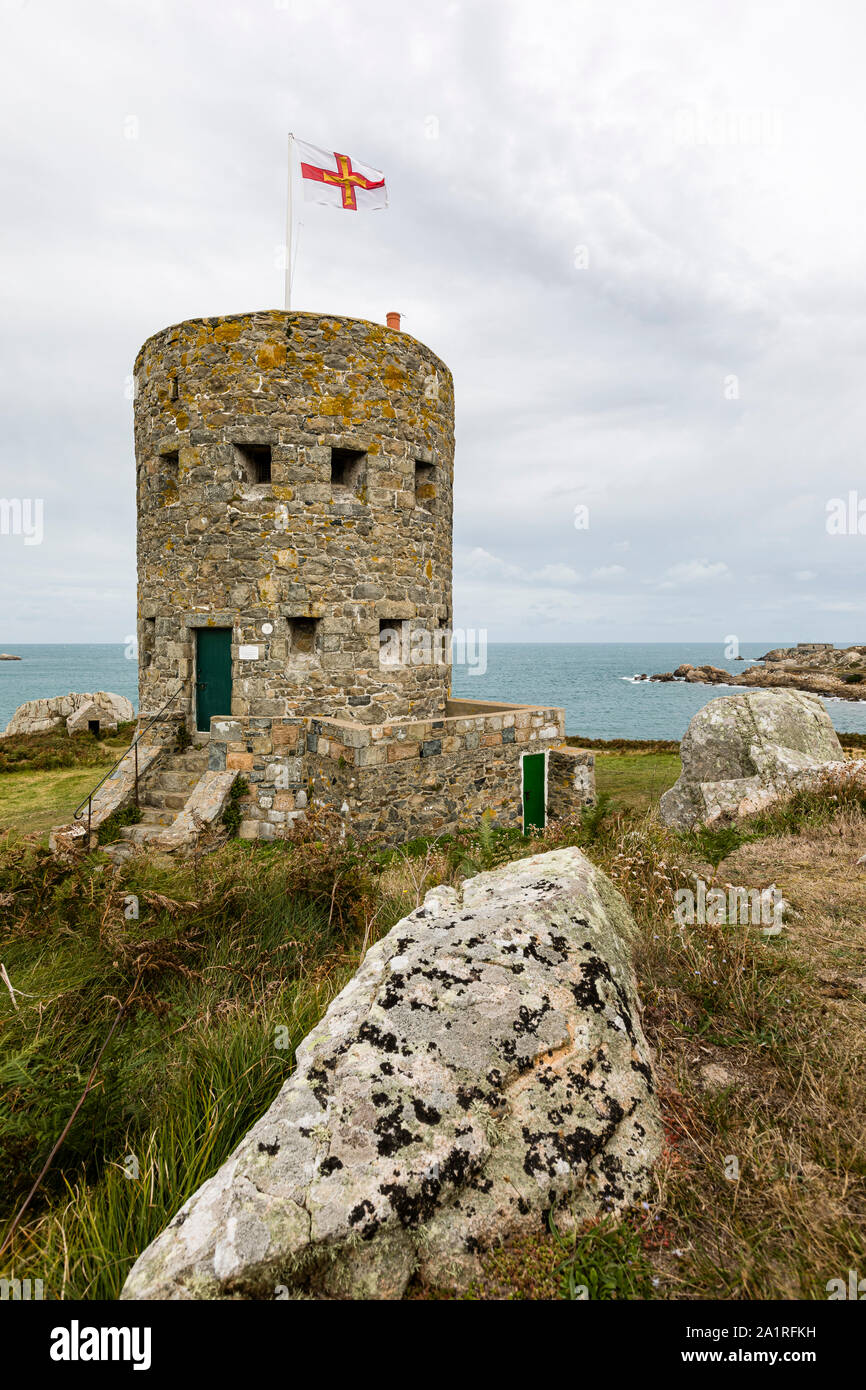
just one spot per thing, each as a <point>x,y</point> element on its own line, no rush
<point>269,754</point>
<point>397,781</point>
<point>304,567</point>
<point>570,781</point>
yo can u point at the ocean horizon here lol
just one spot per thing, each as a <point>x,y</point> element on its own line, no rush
<point>593,681</point>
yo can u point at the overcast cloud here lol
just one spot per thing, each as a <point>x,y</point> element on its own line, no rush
<point>634,231</point>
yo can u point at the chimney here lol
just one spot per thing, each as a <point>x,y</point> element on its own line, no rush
<point>393,320</point>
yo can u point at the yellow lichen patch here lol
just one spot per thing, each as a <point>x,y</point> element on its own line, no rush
<point>286,559</point>
<point>269,589</point>
<point>227,332</point>
<point>181,420</point>
<point>394,378</point>
<point>282,492</point>
<point>428,569</point>
<point>335,405</point>
<point>271,355</point>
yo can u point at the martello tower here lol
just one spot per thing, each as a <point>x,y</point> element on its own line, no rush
<point>295,480</point>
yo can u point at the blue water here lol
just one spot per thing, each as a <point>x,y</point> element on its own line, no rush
<point>62,668</point>
<point>592,681</point>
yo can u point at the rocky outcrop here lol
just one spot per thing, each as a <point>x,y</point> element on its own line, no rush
<point>817,667</point>
<point>742,752</point>
<point>485,1067</point>
<point>38,716</point>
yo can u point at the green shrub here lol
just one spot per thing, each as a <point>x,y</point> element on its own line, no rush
<point>232,816</point>
<point>109,831</point>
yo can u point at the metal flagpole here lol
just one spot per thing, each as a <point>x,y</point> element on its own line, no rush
<point>289,227</point>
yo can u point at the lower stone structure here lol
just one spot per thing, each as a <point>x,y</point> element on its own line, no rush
<point>403,779</point>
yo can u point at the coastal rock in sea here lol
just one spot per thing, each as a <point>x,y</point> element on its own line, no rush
<point>742,752</point>
<point>38,716</point>
<point>6,656</point>
<point>483,1069</point>
<point>698,675</point>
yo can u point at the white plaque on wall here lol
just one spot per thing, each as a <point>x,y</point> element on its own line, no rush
<point>248,653</point>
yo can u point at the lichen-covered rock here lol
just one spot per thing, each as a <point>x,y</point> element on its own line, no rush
<point>38,716</point>
<point>485,1065</point>
<point>742,752</point>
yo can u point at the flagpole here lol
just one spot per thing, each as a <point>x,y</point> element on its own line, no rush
<point>289,227</point>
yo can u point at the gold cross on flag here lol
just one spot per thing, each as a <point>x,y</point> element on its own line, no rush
<point>340,181</point>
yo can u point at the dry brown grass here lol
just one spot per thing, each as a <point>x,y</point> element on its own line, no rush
<point>767,1066</point>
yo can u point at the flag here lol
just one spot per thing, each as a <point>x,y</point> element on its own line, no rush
<point>338,180</point>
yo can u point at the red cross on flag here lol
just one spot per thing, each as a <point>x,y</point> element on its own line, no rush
<point>336,179</point>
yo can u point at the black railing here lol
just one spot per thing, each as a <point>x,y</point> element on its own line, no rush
<point>88,800</point>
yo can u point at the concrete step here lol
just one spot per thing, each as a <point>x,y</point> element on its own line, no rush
<point>138,834</point>
<point>162,800</point>
<point>182,763</point>
<point>170,780</point>
<point>155,815</point>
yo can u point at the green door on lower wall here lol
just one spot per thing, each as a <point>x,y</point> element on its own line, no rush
<point>533,792</point>
<point>213,674</point>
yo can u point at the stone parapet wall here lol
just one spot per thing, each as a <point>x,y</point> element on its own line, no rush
<point>396,781</point>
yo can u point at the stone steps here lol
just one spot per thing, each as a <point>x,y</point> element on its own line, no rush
<point>166,791</point>
<point>155,815</point>
<point>155,796</point>
<point>138,834</point>
<point>174,781</point>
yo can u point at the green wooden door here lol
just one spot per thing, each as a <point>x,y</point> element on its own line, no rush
<point>213,679</point>
<point>533,792</point>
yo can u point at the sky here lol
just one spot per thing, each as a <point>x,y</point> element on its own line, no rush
<point>635,233</point>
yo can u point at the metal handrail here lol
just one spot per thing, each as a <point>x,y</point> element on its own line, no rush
<point>88,800</point>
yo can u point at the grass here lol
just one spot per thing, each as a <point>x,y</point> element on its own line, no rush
<point>56,748</point>
<point>635,781</point>
<point>43,777</point>
<point>33,802</point>
<point>235,954</point>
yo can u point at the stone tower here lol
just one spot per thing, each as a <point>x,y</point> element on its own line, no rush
<point>294,477</point>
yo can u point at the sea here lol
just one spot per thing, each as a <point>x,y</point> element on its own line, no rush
<point>595,682</point>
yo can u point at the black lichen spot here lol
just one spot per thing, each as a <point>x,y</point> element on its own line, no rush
<point>527,1020</point>
<point>586,992</point>
<point>393,992</point>
<point>271,1149</point>
<point>386,1069</point>
<point>466,1095</point>
<point>380,1098</point>
<point>413,1208</point>
<point>330,1165</point>
<point>319,1085</point>
<point>392,1133</point>
<point>365,1212</point>
<point>427,1114</point>
<point>368,1032</point>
